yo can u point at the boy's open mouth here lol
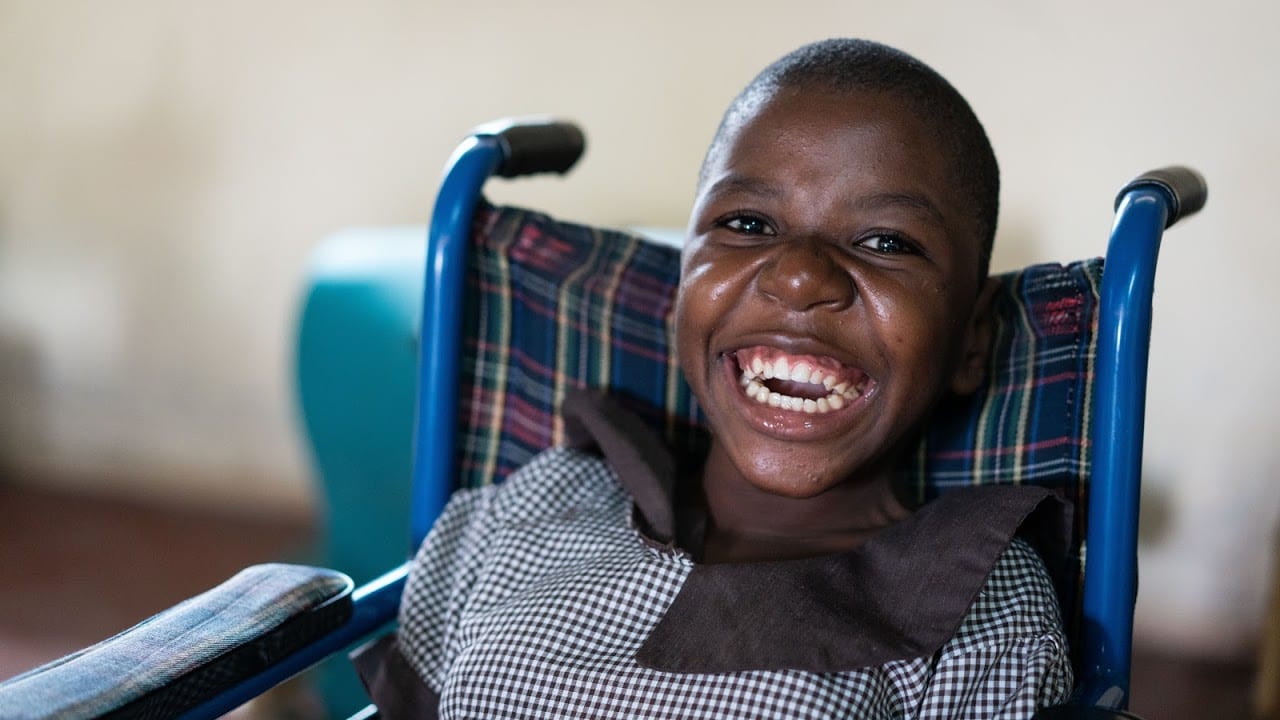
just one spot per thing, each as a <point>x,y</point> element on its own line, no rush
<point>801,383</point>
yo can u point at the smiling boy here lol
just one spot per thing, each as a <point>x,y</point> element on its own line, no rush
<point>833,289</point>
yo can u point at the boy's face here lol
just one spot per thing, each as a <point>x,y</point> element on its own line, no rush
<point>829,245</point>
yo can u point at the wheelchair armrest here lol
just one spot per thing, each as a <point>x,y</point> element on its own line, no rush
<point>1083,712</point>
<point>191,651</point>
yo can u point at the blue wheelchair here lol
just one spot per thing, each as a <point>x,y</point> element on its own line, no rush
<point>1073,345</point>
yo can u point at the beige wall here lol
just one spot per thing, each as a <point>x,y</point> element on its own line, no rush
<point>165,167</point>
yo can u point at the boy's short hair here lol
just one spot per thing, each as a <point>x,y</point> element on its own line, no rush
<point>855,65</point>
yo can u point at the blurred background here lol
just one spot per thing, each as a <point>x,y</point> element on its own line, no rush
<point>167,167</point>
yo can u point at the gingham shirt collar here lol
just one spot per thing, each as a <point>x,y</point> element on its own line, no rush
<point>887,600</point>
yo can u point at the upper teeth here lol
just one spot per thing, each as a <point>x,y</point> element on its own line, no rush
<point>799,371</point>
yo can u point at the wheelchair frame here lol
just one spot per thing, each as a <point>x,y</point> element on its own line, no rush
<point>1144,209</point>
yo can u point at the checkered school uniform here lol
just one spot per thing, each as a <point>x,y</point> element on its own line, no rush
<point>561,593</point>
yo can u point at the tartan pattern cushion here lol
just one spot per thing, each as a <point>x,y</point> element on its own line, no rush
<point>1029,423</point>
<point>553,305</point>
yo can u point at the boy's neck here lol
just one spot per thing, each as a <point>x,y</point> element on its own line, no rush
<point>747,524</point>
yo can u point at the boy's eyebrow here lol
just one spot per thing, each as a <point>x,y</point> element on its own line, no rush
<point>744,184</point>
<point>901,199</point>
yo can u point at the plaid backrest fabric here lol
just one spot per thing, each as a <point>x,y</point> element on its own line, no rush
<point>554,305</point>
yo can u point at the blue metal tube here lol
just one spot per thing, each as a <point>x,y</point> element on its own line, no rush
<point>435,460</point>
<point>375,604</point>
<point>1119,402</point>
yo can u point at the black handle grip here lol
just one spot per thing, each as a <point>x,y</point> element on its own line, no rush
<point>1184,187</point>
<point>535,145</point>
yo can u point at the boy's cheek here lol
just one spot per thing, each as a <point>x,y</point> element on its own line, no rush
<point>706,295</point>
<point>702,273</point>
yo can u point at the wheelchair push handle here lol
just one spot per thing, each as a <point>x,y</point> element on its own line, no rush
<point>533,145</point>
<point>1183,187</point>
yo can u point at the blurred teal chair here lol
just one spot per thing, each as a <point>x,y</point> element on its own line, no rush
<point>356,366</point>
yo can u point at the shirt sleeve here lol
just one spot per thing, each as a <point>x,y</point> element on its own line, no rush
<point>1010,655</point>
<point>441,578</point>
<point>1045,680</point>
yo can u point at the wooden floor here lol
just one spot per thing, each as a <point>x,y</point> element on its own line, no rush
<point>80,569</point>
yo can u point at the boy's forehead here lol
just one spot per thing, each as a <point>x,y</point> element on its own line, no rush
<point>794,108</point>
<point>783,116</point>
<point>893,128</point>
<point>845,131</point>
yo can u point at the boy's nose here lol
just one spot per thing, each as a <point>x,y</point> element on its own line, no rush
<point>804,276</point>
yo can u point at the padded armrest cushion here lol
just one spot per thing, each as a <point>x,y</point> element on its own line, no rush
<point>170,661</point>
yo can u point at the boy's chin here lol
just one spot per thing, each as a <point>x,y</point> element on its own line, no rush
<point>786,477</point>
<point>792,488</point>
<point>799,471</point>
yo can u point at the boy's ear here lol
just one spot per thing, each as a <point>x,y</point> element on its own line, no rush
<point>971,366</point>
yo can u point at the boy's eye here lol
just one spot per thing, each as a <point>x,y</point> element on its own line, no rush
<point>748,225</point>
<point>887,244</point>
